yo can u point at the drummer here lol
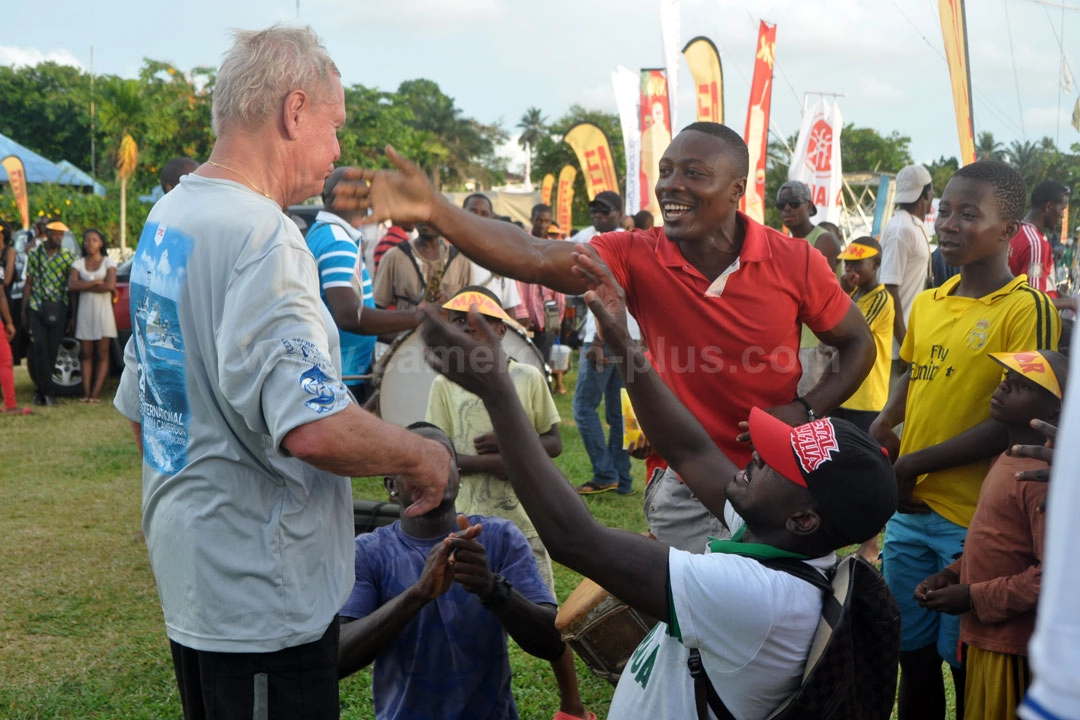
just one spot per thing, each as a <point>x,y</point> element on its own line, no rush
<point>484,487</point>
<point>434,625</point>
<point>806,491</point>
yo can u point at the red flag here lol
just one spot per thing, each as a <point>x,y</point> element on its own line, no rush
<point>757,122</point>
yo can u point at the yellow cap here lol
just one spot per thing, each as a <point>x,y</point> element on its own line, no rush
<point>857,251</point>
<point>1032,365</point>
<point>463,302</point>
<point>57,225</point>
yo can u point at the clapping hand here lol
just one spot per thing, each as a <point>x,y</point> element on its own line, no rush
<point>469,559</point>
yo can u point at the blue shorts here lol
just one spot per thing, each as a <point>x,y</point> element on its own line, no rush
<point>916,547</point>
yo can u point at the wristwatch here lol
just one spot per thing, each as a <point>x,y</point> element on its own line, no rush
<point>811,416</point>
<point>500,592</point>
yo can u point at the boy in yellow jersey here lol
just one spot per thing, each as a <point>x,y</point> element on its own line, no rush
<point>945,396</point>
<point>862,260</point>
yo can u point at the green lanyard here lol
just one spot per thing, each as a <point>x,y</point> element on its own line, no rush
<point>735,546</point>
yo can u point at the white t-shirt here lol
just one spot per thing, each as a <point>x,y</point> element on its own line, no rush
<point>504,287</point>
<point>752,625</point>
<point>905,258</point>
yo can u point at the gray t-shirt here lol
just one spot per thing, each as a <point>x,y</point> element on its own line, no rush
<point>231,349</point>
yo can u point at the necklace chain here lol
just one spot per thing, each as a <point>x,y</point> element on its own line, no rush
<point>254,187</point>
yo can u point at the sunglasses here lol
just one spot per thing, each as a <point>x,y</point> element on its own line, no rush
<point>601,209</point>
<point>793,204</point>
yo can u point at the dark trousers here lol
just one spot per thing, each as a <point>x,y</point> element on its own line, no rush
<point>297,683</point>
<point>47,341</point>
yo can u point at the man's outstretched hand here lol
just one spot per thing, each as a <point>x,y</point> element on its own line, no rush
<point>1039,452</point>
<point>478,365</point>
<point>403,195</point>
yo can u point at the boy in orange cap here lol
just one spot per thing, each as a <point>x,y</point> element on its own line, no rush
<point>484,487</point>
<point>995,583</point>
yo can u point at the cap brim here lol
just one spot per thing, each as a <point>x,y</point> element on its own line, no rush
<point>772,440</point>
<point>58,226</point>
<point>1033,366</point>
<point>864,251</point>
<point>463,302</point>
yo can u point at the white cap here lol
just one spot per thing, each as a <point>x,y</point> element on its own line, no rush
<point>910,183</point>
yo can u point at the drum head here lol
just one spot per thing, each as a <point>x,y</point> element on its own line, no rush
<point>403,379</point>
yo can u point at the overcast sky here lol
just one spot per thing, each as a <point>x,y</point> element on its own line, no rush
<point>498,57</point>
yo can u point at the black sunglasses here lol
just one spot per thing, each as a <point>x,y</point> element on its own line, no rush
<point>793,204</point>
<point>601,209</point>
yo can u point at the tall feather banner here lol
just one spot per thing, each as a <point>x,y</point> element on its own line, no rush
<point>627,86</point>
<point>757,121</point>
<point>954,32</point>
<point>670,29</point>
<point>704,61</point>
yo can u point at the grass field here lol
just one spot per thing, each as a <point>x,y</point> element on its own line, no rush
<point>81,632</point>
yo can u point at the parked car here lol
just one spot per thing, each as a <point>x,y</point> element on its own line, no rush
<point>122,313</point>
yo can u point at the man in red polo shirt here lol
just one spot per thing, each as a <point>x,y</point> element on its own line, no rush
<point>1029,251</point>
<point>719,297</point>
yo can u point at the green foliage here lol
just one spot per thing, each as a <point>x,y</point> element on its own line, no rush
<point>551,154</point>
<point>47,109</point>
<point>941,170</point>
<point>78,210</point>
<point>457,150</point>
<point>867,149</point>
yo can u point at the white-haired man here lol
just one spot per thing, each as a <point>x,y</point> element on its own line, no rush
<point>245,425</point>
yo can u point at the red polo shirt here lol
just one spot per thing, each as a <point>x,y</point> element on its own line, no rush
<point>732,346</point>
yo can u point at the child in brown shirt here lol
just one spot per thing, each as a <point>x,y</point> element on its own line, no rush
<point>995,583</point>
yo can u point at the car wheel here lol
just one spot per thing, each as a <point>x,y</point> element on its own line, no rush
<point>67,372</point>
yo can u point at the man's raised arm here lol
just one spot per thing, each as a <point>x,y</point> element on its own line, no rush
<point>406,195</point>
<point>674,433</point>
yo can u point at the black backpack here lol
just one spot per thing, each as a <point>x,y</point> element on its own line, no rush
<point>854,657</point>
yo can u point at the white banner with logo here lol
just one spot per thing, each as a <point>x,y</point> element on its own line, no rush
<point>627,84</point>
<point>670,30</point>
<point>816,161</point>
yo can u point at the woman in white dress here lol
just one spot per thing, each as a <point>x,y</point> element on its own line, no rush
<point>93,276</point>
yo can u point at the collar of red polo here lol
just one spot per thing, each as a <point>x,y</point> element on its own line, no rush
<point>755,247</point>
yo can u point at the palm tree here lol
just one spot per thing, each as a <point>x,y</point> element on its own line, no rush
<point>533,129</point>
<point>1026,157</point>
<point>987,148</point>
<point>123,116</point>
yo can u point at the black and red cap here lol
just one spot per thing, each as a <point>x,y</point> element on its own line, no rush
<point>847,471</point>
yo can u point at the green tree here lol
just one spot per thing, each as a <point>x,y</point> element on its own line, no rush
<point>988,148</point>
<point>47,109</point>
<point>1026,157</point>
<point>177,117</point>
<point>533,128</point>
<point>459,149</point>
<point>941,170</point>
<point>865,149</point>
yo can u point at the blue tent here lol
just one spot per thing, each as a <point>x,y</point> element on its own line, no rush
<point>40,170</point>
<point>78,177</point>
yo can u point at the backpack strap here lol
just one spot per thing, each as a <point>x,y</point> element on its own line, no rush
<point>406,247</point>
<point>705,696</point>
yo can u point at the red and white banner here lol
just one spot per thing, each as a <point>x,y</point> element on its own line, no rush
<point>655,135</point>
<point>816,161</point>
<point>670,28</point>
<point>627,86</point>
<point>757,122</point>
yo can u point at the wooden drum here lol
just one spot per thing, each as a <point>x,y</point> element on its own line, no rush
<point>602,629</point>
